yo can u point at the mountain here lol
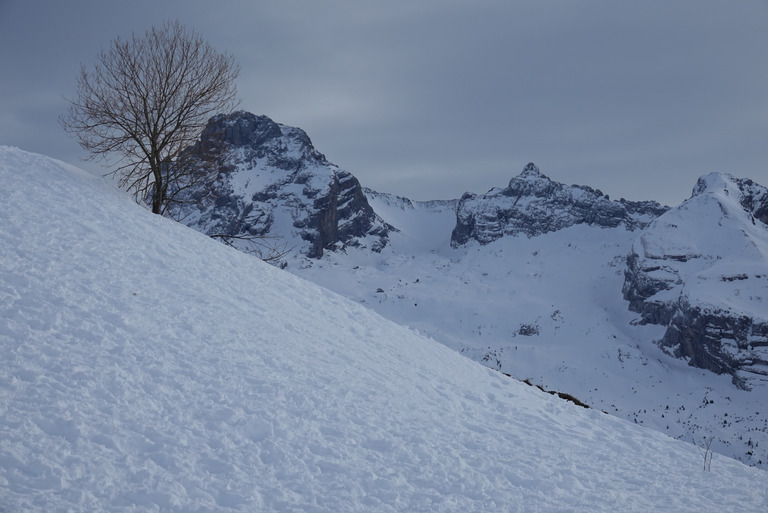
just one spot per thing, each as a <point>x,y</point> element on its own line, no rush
<point>701,271</point>
<point>547,282</point>
<point>146,367</point>
<point>532,204</point>
<point>270,179</point>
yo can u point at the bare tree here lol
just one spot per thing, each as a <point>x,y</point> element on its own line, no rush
<point>147,99</point>
<point>705,451</point>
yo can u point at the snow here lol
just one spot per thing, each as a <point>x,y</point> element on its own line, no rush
<point>550,309</point>
<point>711,250</point>
<point>146,367</point>
<point>423,224</point>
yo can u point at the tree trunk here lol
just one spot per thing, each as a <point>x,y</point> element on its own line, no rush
<point>158,198</point>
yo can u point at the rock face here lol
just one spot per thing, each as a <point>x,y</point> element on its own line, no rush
<point>701,270</point>
<point>532,204</point>
<point>270,181</point>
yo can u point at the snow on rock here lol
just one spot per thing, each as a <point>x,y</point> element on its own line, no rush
<point>549,309</point>
<point>701,270</point>
<point>532,204</point>
<point>271,181</point>
<point>148,368</point>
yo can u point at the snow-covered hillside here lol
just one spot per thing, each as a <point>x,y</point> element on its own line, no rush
<point>537,279</point>
<point>549,309</point>
<point>144,367</point>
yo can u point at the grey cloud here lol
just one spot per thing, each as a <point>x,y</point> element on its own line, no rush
<point>429,99</point>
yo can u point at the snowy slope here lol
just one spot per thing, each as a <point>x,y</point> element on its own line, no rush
<point>705,245</point>
<point>145,367</point>
<point>549,309</point>
<point>701,271</point>
<point>527,279</point>
<point>423,225</point>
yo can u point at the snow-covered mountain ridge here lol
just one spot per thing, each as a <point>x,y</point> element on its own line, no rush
<point>146,367</point>
<point>271,180</point>
<point>532,204</point>
<point>535,288</point>
<point>701,270</point>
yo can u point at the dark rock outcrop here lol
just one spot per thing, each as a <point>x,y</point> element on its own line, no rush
<point>700,272</point>
<point>719,341</point>
<point>268,174</point>
<point>532,204</point>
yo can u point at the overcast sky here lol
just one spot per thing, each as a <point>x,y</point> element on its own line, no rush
<point>432,98</point>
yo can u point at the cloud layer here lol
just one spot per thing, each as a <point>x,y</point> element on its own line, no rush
<point>430,99</point>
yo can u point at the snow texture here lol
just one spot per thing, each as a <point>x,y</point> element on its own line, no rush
<point>548,309</point>
<point>145,367</point>
<point>711,250</point>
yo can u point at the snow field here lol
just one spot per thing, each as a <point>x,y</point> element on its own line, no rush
<point>145,367</point>
<point>550,309</point>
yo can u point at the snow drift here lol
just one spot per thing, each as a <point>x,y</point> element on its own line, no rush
<point>146,367</point>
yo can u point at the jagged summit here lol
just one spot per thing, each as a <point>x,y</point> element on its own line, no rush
<point>533,204</point>
<point>532,182</point>
<point>530,171</point>
<point>242,129</point>
<point>270,175</point>
<point>258,136</point>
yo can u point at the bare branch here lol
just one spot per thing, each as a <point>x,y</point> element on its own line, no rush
<point>258,245</point>
<point>706,451</point>
<point>146,100</point>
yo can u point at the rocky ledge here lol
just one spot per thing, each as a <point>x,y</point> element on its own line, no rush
<point>701,270</point>
<point>532,204</point>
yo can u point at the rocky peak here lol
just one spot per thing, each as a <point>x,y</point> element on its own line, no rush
<point>530,172</point>
<point>242,129</point>
<point>259,137</point>
<point>533,204</point>
<point>700,270</point>
<point>268,174</point>
<point>752,197</point>
<point>532,182</point>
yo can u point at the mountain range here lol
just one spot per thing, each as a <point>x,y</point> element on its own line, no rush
<point>146,367</point>
<point>651,313</point>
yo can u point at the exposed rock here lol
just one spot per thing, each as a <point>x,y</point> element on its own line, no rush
<point>701,270</point>
<point>269,174</point>
<point>719,341</point>
<point>532,204</point>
